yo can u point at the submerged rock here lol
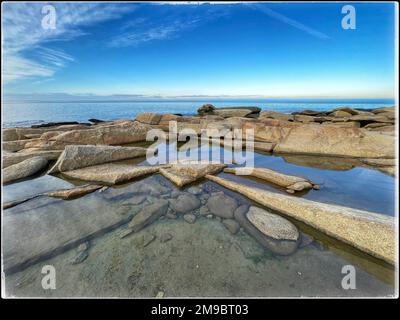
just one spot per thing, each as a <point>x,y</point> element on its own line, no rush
<point>148,215</point>
<point>23,169</point>
<point>231,225</point>
<point>185,203</point>
<point>291,183</point>
<point>370,232</point>
<point>80,156</point>
<point>189,217</point>
<point>165,237</point>
<point>272,225</point>
<point>222,206</point>
<point>280,247</point>
<point>110,173</point>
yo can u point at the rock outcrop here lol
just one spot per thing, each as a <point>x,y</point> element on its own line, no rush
<point>115,134</point>
<point>370,232</point>
<point>110,173</point>
<point>334,141</point>
<point>23,169</point>
<point>80,156</point>
<point>290,183</point>
<point>16,157</point>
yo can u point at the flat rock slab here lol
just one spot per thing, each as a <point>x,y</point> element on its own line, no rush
<point>370,232</point>
<point>291,183</point>
<point>185,173</point>
<point>110,173</point>
<point>24,169</point>
<point>74,192</point>
<point>46,226</point>
<point>80,156</point>
<point>28,188</point>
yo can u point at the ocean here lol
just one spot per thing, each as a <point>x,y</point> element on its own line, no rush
<point>25,114</point>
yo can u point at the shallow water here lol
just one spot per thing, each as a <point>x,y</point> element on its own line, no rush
<point>201,259</point>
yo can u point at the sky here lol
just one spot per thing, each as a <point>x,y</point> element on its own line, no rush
<point>273,50</point>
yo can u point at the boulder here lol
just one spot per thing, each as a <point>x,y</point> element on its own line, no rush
<point>272,225</point>
<point>149,118</point>
<point>279,247</point>
<point>381,110</point>
<point>185,203</point>
<point>115,134</point>
<point>276,115</point>
<point>347,110</point>
<point>23,169</point>
<point>222,206</point>
<point>189,218</point>
<point>341,114</point>
<point>13,158</point>
<point>309,113</point>
<point>185,173</point>
<point>336,141</point>
<point>233,112</point>
<point>370,232</point>
<point>291,183</point>
<point>206,109</point>
<point>303,118</point>
<point>110,173</point>
<point>80,156</point>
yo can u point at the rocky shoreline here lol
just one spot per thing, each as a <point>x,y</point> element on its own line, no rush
<point>95,153</point>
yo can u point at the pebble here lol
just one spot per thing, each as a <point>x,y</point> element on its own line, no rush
<point>165,237</point>
<point>83,247</point>
<point>189,218</point>
<point>80,257</point>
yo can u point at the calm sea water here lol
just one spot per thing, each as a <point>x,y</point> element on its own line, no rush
<point>29,113</point>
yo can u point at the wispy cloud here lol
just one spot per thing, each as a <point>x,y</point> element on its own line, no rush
<point>23,34</point>
<point>171,26</point>
<point>294,23</point>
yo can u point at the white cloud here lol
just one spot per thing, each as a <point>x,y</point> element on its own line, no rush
<point>142,30</point>
<point>22,32</point>
<point>289,21</point>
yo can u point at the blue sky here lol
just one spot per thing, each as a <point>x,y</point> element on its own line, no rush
<point>272,50</point>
